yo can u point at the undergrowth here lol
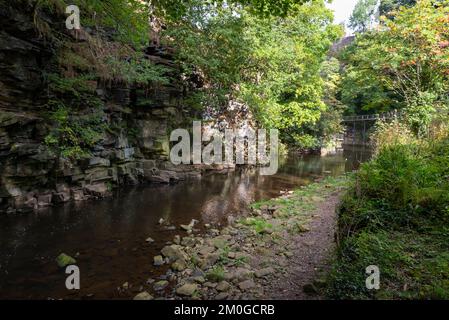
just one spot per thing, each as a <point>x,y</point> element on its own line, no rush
<point>396,216</point>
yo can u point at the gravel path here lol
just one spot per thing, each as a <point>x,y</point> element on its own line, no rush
<point>312,251</point>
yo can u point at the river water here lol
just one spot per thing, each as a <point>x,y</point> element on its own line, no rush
<point>107,237</point>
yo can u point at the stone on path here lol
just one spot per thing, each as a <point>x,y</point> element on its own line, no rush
<point>143,296</point>
<point>221,296</point>
<point>246,285</point>
<point>187,290</point>
<point>223,286</point>
<point>264,272</point>
<point>160,285</point>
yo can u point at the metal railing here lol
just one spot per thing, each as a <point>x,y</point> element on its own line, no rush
<point>374,117</point>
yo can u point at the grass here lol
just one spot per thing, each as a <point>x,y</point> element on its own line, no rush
<point>395,216</point>
<point>216,274</point>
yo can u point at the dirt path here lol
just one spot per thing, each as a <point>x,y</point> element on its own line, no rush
<point>312,251</point>
<point>276,252</point>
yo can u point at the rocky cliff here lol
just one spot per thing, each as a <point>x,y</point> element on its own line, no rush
<point>133,146</point>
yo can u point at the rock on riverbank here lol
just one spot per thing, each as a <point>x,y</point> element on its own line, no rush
<point>242,260</point>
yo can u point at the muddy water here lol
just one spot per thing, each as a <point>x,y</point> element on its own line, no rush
<point>107,237</point>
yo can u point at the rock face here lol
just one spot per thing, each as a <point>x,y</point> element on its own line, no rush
<point>135,123</point>
<point>136,151</point>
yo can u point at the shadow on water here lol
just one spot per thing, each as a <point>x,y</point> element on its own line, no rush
<point>107,237</point>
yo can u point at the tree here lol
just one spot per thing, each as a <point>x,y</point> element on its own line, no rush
<point>388,6</point>
<point>271,63</point>
<point>364,15</point>
<point>405,65</point>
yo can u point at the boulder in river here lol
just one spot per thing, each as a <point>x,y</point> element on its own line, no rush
<point>174,253</point>
<point>64,260</point>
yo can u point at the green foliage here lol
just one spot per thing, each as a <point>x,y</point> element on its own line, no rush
<point>387,7</point>
<point>75,116</point>
<point>396,217</point>
<point>389,134</point>
<point>259,225</point>
<point>363,16</point>
<point>71,137</point>
<point>269,62</point>
<point>177,9</point>
<point>404,65</point>
<point>216,274</point>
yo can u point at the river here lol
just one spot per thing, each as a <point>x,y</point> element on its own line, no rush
<point>107,237</point>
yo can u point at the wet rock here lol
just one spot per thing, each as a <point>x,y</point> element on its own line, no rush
<point>179,265</point>
<point>158,260</point>
<point>78,195</point>
<point>174,253</point>
<point>64,260</point>
<point>149,240</point>
<point>143,296</point>
<point>44,200</point>
<point>264,272</point>
<point>188,241</point>
<point>160,285</point>
<point>177,239</point>
<point>125,286</point>
<point>190,226</point>
<point>185,227</point>
<point>223,286</point>
<point>99,190</point>
<point>246,285</point>
<point>187,289</point>
<point>61,197</point>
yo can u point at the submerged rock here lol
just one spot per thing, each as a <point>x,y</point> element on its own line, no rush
<point>64,260</point>
<point>149,240</point>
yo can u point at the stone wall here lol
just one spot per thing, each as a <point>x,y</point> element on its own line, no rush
<point>32,177</point>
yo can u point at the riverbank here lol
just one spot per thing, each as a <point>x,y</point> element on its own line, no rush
<point>395,216</point>
<point>284,239</point>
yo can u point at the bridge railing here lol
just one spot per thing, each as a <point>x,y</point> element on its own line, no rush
<point>357,127</point>
<point>374,117</point>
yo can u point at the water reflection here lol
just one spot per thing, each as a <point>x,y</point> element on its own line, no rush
<point>108,237</point>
